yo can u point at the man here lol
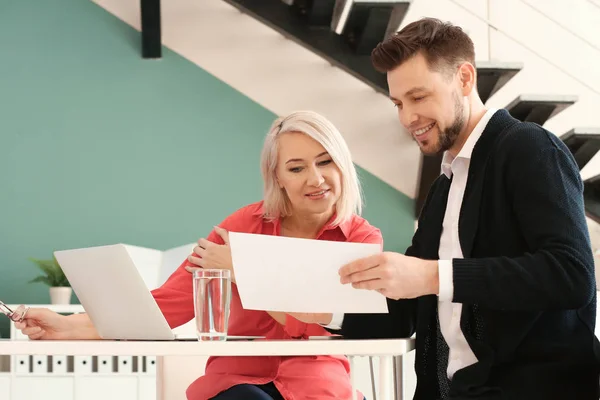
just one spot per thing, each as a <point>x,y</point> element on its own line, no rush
<point>499,280</point>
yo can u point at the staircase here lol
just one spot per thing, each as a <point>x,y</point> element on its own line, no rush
<point>342,33</point>
<point>270,67</point>
<point>345,32</point>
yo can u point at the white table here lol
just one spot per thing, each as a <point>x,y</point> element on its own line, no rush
<point>385,349</point>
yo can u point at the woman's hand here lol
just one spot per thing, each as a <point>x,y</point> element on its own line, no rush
<point>45,324</point>
<point>211,255</point>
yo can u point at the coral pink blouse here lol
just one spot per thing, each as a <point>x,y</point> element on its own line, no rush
<point>296,378</point>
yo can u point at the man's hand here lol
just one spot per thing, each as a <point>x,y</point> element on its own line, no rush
<point>394,275</point>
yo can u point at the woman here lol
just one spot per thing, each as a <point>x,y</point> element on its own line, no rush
<point>311,191</point>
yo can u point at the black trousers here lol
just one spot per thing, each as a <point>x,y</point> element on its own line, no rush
<point>267,391</point>
<point>251,392</point>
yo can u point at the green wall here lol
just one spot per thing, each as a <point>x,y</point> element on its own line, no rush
<point>98,146</point>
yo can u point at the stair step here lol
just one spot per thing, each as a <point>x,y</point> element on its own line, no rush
<point>370,22</point>
<point>318,38</point>
<point>492,75</point>
<point>584,143</point>
<point>322,41</point>
<point>343,8</point>
<point>315,12</point>
<point>539,108</point>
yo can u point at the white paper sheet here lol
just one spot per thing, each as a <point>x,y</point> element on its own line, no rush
<point>299,275</point>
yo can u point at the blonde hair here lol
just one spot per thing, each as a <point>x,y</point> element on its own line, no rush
<point>276,203</point>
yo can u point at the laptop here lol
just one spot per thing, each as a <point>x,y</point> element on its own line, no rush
<point>115,295</point>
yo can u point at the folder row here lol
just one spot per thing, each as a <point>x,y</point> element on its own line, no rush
<point>37,364</point>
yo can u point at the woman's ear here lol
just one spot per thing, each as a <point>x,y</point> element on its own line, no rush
<point>277,181</point>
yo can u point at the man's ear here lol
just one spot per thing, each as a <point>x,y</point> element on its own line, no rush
<point>467,74</point>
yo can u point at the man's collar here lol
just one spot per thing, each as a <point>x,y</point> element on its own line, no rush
<point>467,150</point>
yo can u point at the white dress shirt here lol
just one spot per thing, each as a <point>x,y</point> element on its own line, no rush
<point>457,168</point>
<point>460,355</point>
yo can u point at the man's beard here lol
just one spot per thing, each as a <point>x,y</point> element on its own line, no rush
<point>448,136</point>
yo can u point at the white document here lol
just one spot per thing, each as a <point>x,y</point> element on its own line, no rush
<point>275,273</point>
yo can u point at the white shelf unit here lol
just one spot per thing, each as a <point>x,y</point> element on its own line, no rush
<point>70,377</point>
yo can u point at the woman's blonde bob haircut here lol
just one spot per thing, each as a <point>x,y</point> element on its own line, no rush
<point>276,202</point>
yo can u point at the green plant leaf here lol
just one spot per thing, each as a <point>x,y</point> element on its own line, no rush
<point>43,279</point>
<point>53,274</point>
<point>47,264</point>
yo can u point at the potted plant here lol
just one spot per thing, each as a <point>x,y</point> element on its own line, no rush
<point>60,289</point>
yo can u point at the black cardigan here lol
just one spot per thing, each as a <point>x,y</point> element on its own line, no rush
<point>526,281</point>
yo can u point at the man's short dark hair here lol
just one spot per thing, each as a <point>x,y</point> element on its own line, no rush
<point>445,46</point>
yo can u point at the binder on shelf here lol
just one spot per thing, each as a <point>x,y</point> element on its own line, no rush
<point>105,364</point>
<point>59,365</point>
<point>22,364</point>
<point>150,365</point>
<point>39,364</point>
<point>125,364</point>
<point>83,364</point>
